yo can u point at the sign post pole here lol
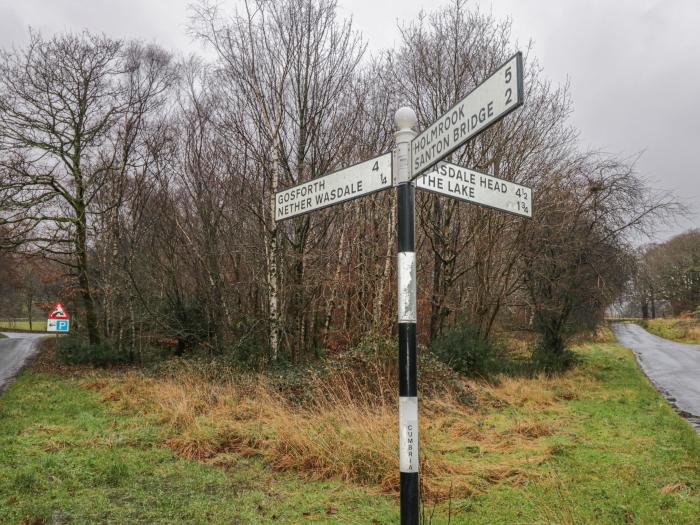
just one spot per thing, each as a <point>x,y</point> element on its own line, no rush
<point>413,156</point>
<point>405,120</point>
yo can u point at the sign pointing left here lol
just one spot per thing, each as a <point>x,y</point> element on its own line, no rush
<point>341,186</point>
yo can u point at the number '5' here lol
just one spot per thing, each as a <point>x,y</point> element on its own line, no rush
<point>508,75</point>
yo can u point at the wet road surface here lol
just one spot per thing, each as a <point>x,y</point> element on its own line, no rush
<point>673,367</point>
<point>14,353</point>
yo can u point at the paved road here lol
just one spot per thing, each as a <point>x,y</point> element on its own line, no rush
<point>673,367</point>
<point>14,352</point>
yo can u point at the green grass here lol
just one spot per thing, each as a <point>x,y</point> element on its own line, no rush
<point>622,456</point>
<point>65,458</point>
<point>624,447</point>
<point>38,325</point>
<point>680,330</point>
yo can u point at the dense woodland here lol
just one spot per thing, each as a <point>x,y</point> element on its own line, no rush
<point>137,186</point>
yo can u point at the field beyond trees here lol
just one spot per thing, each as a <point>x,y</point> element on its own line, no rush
<point>197,443</point>
<point>22,325</point>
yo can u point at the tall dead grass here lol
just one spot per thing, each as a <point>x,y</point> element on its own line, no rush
<point>350,433</point>
<point>691,330</point>
<point>681,330</point>
<point>693,333</point>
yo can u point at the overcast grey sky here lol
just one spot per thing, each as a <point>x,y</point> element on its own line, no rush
<point>633,64</point>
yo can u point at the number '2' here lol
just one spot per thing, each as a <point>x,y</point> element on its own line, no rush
<point>509,92</point>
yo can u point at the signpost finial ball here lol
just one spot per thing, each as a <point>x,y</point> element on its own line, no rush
<point>405,118</point>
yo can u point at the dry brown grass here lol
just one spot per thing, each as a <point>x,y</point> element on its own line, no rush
<point>681,330</point>
<point>673,487</point>
<point>692,332</point>
<point>341,435</point>
<point>601,334</point>
<point>539,392</point>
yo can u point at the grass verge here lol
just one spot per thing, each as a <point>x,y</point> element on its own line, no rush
<point>38,325</point>
<point>595,445</point>
<point>67,457</point>
<point>680,330</point>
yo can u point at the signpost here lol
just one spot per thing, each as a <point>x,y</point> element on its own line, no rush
<point>479,188</point>
<point>58,320</point>
<point>413,156</point>
<point>409,466</point>
<point>341,186</point>
<point>488,103</point>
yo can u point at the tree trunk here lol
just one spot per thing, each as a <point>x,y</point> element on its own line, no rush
<point>82,267</point>
<point>377,310</point>
<point>271,254</point>
<point>645,309</point>
<point>298,311</point>
<point>436,299</point>
<point>30,301</point>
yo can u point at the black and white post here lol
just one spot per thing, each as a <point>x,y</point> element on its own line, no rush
<point>405,120</point>
<point>413,155</point>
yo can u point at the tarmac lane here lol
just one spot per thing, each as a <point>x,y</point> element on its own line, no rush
<point>674,368</point>
<point>14,353</point>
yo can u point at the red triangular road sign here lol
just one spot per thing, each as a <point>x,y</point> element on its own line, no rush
<point>58,312</point>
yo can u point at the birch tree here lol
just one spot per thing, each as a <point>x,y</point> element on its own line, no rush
<point>287,70</point>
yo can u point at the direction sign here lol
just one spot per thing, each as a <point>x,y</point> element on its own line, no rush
<point>341,186</point>
<point>490,101</point>
<point>57,325</point>
<point>479,188</point>
<point>58,312</point>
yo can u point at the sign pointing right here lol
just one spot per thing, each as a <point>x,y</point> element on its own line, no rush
<point>479,188</point>
<point>489,102</point>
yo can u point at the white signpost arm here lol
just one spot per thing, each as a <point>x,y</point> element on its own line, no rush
<point>478,188</point>
<point>498,95</point>
<point>341,186</point>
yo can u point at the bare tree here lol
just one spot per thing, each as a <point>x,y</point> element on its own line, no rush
<point>287,68</point>
<point>154,184</point>
<point>443,57</point>
<point>71,108</point>
<point>576,255</point>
